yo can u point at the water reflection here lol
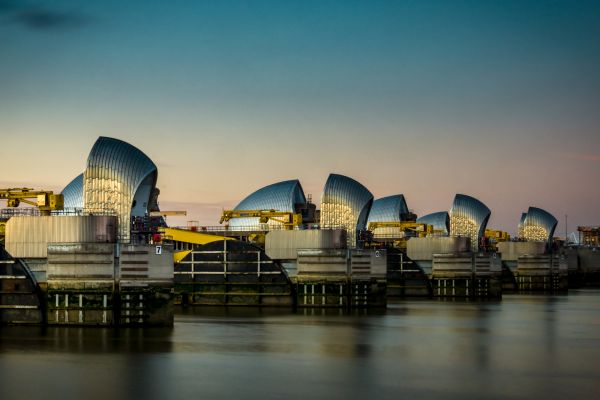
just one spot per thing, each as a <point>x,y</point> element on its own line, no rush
<point>522,347</point>
<point>82,340</point>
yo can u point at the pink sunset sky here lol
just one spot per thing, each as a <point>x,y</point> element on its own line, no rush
<point>497,100</point>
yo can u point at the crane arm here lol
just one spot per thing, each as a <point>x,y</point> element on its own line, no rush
<point>45,200</point>
<point>402,225</point>
<point>167,213</point>
<point>285,218</point>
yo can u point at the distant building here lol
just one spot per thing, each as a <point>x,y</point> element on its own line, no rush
<point>589,235</point>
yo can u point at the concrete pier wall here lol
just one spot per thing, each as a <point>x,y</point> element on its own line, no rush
<point>284,245</point>
<point>424,248</point>
<point>324,292</point>
<point>421,250</point>
<point>341,278</point>
<point>584,266</point>
<point>104,284</point>
<point>511,251</point>
<point>83,276</point>
<point>467,274</point>
<point>542,272</point>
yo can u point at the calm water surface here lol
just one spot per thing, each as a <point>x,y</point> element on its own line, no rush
<point>524,347</point>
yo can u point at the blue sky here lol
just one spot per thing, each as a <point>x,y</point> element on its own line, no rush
<point>497,99</point>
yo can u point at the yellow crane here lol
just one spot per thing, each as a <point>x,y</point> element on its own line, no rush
<point>288,219</point>
<point>497,236</point>
<point>167,213</point>
<point>397,235</point>
<point>493,237</point>
<point>420,229</point>
<point>44,200</point>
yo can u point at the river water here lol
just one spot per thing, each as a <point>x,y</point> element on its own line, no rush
<point>523,347</point>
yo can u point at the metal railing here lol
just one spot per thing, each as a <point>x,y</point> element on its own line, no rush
<point>252,228</point>
<point>35,212</point>
<point>19,211</point>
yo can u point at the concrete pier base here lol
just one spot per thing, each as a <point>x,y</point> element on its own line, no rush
<point>467,286</point>
<point>341,278</point>
<point>73,304</point>
<point>542,273</point>
<point>317,292</point>
<point>145,305</point>
<point>90,284</point>
<point>466,274</point>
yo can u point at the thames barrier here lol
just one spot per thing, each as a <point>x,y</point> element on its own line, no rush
<point>100,253</point>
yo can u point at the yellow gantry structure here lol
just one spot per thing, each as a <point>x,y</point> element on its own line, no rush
<point>288,219</point>
<point>498,236</point>
<point>395,231</point>
<point>420,229</point>
<point>167,213</point>
<point>180,255</point>
<point>187,236</point>
<point>44,200</point>
<point>495,237</point>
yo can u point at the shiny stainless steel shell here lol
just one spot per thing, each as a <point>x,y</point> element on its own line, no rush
<point>345,203</point>
<point>387,209</point>
<point>73,194</point>
<point>391,208</point>
<point>469,217</point>
<point>119,178</point>
<point>280,196</point>
<point>439,220</point>
<point>539,225</point>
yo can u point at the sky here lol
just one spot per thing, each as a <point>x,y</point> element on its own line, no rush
<point>495,99</point>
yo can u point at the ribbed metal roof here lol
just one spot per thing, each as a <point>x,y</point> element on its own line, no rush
<point>73,193</point>
<point>119,177</point>
<point>439,220</point>
<point>539,225</point>
<point>345,203</point>
<point>280,196</point>
<point>387,209</point>
<point>390,208</point>
<point>469,217</point>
